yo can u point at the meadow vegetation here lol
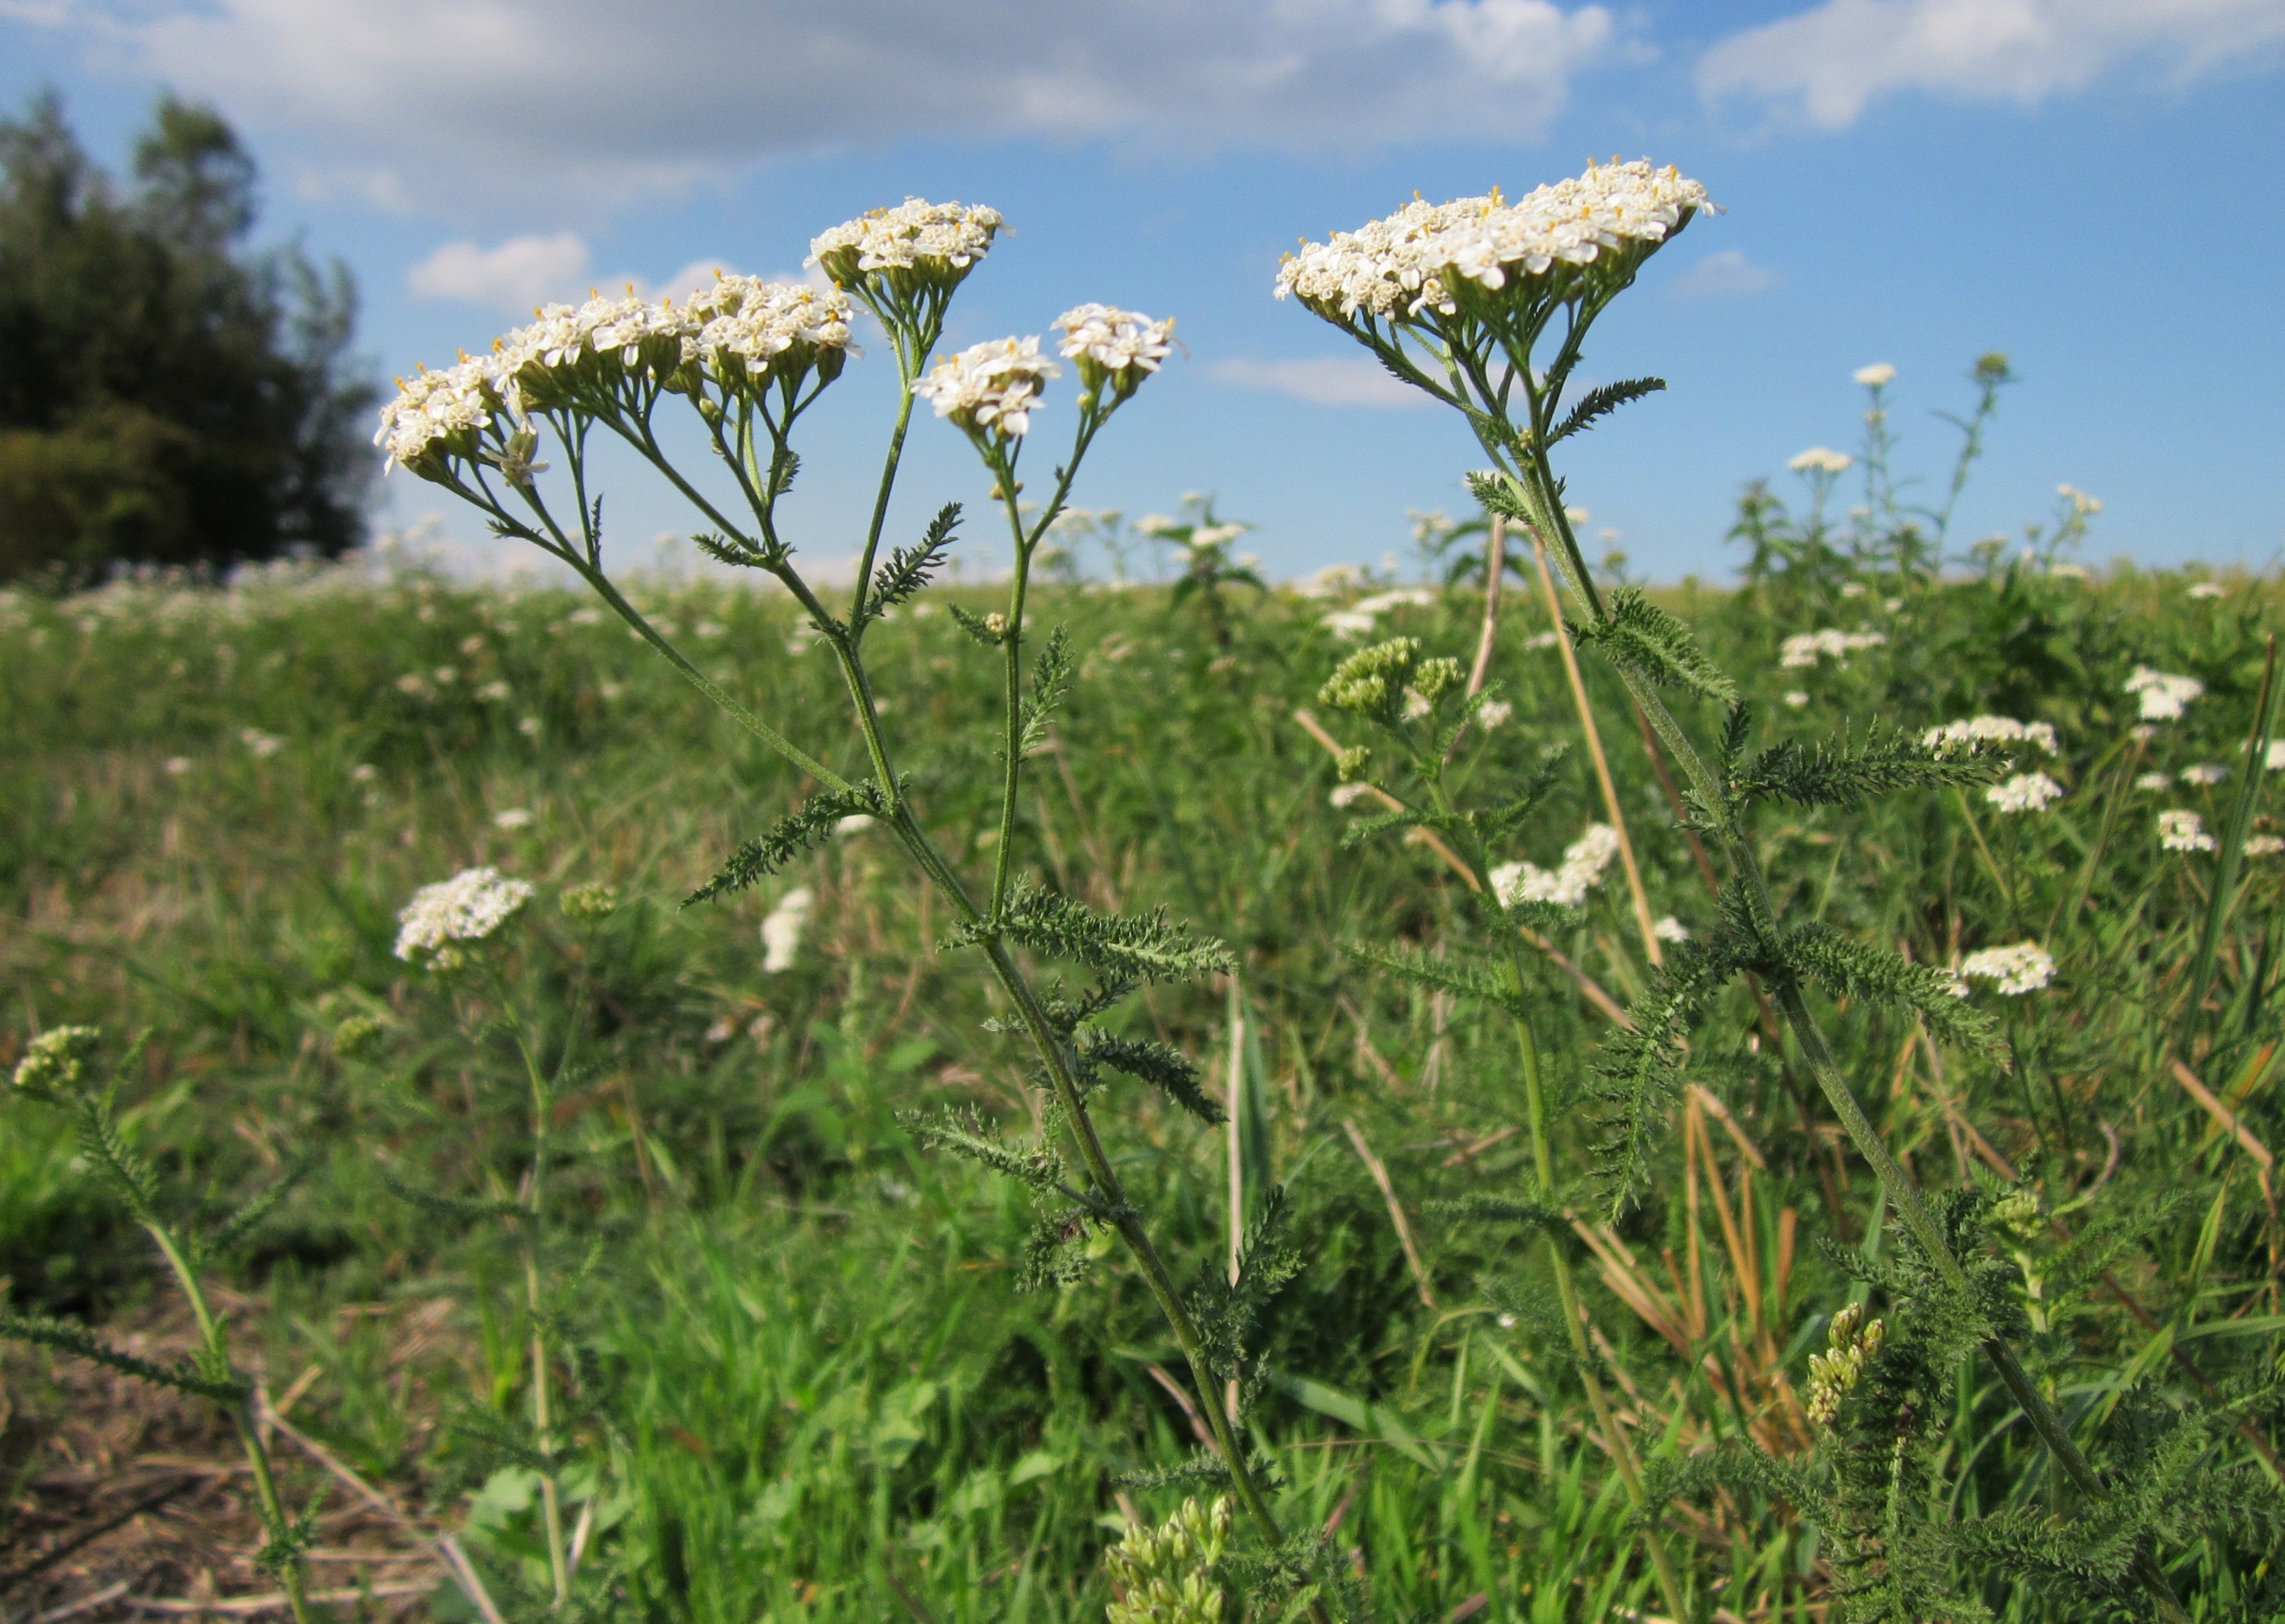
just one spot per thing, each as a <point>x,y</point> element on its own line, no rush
<point>1209,1102</point>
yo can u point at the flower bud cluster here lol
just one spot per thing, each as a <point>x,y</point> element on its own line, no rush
<point>1165,1575</point>
<point>589,906</point>
<point>1432,256</point>
<point>471,906</point>
<point>1834,1374</point>
<point>990,389</point>
<point>1115,346</point>
<point>1372,681</point>
<point>55,1063</point>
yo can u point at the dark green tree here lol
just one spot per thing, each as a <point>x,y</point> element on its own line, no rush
<point>168,394</point>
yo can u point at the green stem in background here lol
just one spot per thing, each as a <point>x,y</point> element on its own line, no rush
<point>2233,845</point>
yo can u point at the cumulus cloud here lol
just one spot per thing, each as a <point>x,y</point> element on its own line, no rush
<point>1825,65</point>
<point>1728,274</point>
<point>526,271</point>
<point>506,94</point>
<point>1328,380</point>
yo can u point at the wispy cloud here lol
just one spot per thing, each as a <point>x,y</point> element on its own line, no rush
<point>1828,64</point>
<point>1326,380</point>
<point>1728,274</point>
<point>524,271</point>
<point>498,96</point>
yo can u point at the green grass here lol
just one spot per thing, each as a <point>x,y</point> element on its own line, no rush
<point>805,1383</point>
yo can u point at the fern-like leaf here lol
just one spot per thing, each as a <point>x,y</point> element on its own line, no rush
<point>1638,636</point>
<point>1229,1311</point>
<point>1600,402</point>
<point>1051,680</point>
<point>1162,1065</point>
<point>69,1336</point>
<point>1847,967</point>
<point>1839,772</point>
<point>964,1132</point>
<point>1483,980</point>
<point>456,1209</point>
<point>911,569</point>
<point>1641,1071</point>
<point>1136,947</point>
<point>791,835</point>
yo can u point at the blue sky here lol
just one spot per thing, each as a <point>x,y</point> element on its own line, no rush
<point>2078,183</point>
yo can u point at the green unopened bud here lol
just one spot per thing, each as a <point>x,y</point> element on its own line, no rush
<point>1434,679</point>
<point>2018,1212</point>
<point>1351,764</point>
<point>447,961</point>
<point>55,1062</point>
<point>589,906</point>
<point>358,1038</point>
<point>1369,680</point>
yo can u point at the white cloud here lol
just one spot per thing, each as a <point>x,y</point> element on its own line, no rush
<point>1728,274</point>
<point>518,274</point>
<point>1327,380</point>
<point>1825,65</point>
<point>491,96</point>
<point>525,272</point>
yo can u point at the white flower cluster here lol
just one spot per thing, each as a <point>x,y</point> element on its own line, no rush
<point>2023,968</point>
<point>467,907</point>
<point>1362,617</point>
<point>2263,845</point>
<point>1669,929</point>
<point>782,931</point>
<point>1993,730</point>
<point>1584,860</point>
<point>741,329</point>
<point>2206,589</point>
<point>1109,342</point>
<point>2025,792</point>
<point>1821,460</point>
<point>1808,647</point>
<point>2203,773</point>
<point>2163,696</point>
<point>1875,376</point>
<point>2183,831</point>
<point>990,387</point>
<point>1420,256</point>
<point>2273,756</point>
<point>942,239</point>
<point>2080,504</point>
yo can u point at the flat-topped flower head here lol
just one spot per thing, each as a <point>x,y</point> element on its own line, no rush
<point>471,906</point>
<point>437,416</point>
<point>2163,696</point>
<point>1821,460</point>
<point>2026,967</point>
<point>1991,730</point>
<point>1109,344</point>
<point>1876,376</point>
<point>581,355</point>
<point>2026,792</point>
<point>917,244</point>
<point>745,331</point>
<point>2182,830</point>
<point>1804,648</point>
<point>990,389</point>
<point>1433,257</point>
<point>1585,862</point>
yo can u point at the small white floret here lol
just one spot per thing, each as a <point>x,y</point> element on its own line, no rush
<point>2026,967</point>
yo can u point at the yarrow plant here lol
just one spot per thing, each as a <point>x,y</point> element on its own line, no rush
<point>746,359</point>
<point>1486,305</point>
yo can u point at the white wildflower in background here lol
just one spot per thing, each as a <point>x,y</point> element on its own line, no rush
<point>2080,504</point>
<point>1821,460</point>
<point>468,907</point>
<point>2183,831</point>
<point>364,772</point>
<point>1669,929</point>
<point>2026,967</point>
<point>1853,589</point>
<point>1349,623</point>
<point>1345,795</point>
<point>2071,572</point>
<point>2206,589</point>
<point>2163,696</point>
<point>1584,861</point>
<point>1416,259</point>
<point>494,691</point>
<point>1805,649</point>
<point>1993,730</point>
<point>1796,699</point>
<point>942,241</point>
<point>2206,773</point>
<point>992,387</point>
<point>263,745</point>
<point>412,683</point>
<point>2263,845</point>
<point>512,818</point>
<point>176,765</point>
<point>2025,792</point>
<point>1875,376</point>
<point>2274,756</point>
<point>2154,782</point>
<point>855,823</point>
<point>781,931</point>
<point>528,728</point>
<point>1494,713</point>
